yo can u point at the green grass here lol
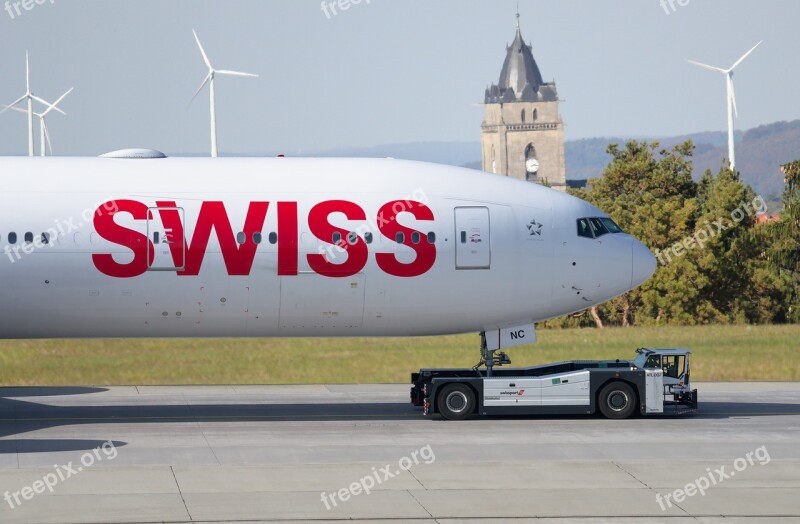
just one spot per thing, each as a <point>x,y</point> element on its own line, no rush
<point>721,353</point>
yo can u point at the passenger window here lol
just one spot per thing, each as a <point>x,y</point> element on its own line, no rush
<point>400,238</point>
<point>273,238</point>
<point>352,238</point>
<point>337,237</point>
<point>12,238</point>
<point>45,238</point>
<point>241,238</point>
<point>28,237</point>
<point>431,238</point>
<point>368,238</point>
<point>415,238</point>
<point>583,228</point>
<point>257,238</point>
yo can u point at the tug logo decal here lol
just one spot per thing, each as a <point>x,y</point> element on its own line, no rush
<point>513,393</point>
<point>239,257</point>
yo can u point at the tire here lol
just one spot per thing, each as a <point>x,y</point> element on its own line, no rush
<point>456,401</point>
<point>617,400</point>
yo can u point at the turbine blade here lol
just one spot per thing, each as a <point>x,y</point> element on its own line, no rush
<point>235,73</point>
<point>47,136</point>
<point>712,68</point>
<point>54,104</point>
<point>744,56</point>
<point>732,96</point>
<point>202,51</point>
<point>47,104</point>
<point>208,77</point>
<point>13,108</point>
<point>27,73</point>
<point>14,103</point>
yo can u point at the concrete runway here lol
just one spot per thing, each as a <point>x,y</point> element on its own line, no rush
<point>267,453</point>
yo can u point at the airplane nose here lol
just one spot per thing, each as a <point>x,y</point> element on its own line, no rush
<point>643,264</point>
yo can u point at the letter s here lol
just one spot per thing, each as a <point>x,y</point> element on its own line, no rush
<point>390,227</point>
<point>135,241</point>
<point>357,252</point>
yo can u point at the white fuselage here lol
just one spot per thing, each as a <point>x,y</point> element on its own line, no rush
<point>292,247</point>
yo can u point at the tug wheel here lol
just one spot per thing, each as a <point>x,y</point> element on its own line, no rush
<point>456,401</point>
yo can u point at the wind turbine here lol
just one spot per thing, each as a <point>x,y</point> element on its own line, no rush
<point>44,135</point>
<point>212,73</point>
<point>731,97</point>
<point>30,97</point>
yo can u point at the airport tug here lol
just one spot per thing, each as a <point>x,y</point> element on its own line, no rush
<point>656,381</point>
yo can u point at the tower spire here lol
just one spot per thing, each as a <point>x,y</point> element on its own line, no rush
<point>518,15</point>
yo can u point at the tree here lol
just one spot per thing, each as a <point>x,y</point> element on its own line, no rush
<point>650,193</point>
<point>784,251</point>
<point>740,285</point>
<point>715,262</point>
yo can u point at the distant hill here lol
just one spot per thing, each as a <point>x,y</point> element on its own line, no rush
<point>760,152</point>
<point>588,158</point>
<point>759,155</point>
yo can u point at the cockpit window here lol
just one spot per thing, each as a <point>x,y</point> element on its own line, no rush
<point>611,225</point>
<point>583,228</point>
<point>597,227</point>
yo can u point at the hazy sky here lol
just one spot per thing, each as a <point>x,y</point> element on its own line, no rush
<point>386,71</point>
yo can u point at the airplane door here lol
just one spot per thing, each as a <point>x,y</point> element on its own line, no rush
<point>473,243</point>
<point>170,246</point>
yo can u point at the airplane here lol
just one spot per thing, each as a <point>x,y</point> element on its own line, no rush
<point>135,244</point>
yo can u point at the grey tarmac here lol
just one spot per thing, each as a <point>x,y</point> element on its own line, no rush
<point>272,453</point>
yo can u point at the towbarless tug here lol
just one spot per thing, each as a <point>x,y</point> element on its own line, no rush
<point>656,381</point>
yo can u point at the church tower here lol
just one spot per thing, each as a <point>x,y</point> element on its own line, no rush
<point>522,134</point>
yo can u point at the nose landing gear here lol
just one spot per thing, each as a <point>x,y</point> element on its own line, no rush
<point>489,358</point>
